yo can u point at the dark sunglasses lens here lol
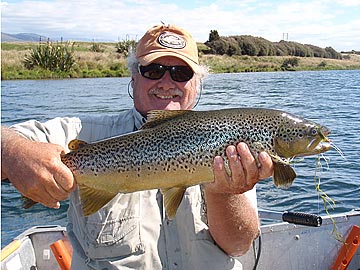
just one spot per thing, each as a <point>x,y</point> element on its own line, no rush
<point>153,71</point>
<point>181,73</point>
<point>156,71</point>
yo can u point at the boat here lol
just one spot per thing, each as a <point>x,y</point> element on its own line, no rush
<point>287,241</point>
<point>310,243</point>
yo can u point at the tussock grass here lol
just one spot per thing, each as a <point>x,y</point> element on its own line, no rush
<point>109,63</point>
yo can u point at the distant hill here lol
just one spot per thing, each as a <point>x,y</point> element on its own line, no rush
<point>31,37</point>
<point>22,37</point>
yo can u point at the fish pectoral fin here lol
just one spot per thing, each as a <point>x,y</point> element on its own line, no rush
<point>172,199</point>
<point>284,175</point>
<point>92,199</point>
<point>76,144</point>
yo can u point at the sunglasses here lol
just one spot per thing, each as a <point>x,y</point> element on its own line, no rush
<point>156,71</point>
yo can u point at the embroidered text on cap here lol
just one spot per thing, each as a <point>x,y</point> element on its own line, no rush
<point>171,40</point>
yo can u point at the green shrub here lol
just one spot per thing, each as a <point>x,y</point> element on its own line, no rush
<point>290,63</point>
<point>125,46</point>
<point>214,35</point>
<point>96,47</point>
<point>322,64</point>
<point>331,53</point>
<point>257,46</point>
<point>53,57</point>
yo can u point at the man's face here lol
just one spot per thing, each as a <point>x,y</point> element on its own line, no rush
<point>164,93</point>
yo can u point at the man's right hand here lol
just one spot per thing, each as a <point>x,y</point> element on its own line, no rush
<point>35,169</point>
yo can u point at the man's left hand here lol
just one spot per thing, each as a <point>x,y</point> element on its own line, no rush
<point>245,172</point>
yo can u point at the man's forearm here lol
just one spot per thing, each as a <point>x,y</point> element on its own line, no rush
<point>9,138</point>
<point>233,221</point>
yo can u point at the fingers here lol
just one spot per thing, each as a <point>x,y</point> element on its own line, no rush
<point>40,189</point>
<point>222,179</point>
<point>267,166</point>
<point>45,188</point>
<point>232,179</point>
<point>58,179</point>
<point>60,184</point>
<point>235,166</point>
<point>41,175</point>
<point>63,178</point>
<point>250,168</point>
<point>244,170</point>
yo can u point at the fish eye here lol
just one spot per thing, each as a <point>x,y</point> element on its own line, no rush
<point>313,131</point>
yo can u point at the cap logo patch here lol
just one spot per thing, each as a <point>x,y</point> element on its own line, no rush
<point>171,40</point>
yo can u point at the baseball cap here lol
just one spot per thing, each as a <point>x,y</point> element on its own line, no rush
<point>167,40</point>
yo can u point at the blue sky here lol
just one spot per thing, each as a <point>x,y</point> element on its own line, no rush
<point>334,23</point>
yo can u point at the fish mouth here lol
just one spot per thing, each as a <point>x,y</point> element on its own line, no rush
<point>318,149</point>
<point>325,143</point>
<point>318,145</point>
<point>322,147</point>
<point>324,132</point>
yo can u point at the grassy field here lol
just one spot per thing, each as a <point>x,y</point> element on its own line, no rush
<point>106,62</point>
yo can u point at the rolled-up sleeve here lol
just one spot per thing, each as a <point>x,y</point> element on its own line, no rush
<point>91,128</point>
<point>60,130</point>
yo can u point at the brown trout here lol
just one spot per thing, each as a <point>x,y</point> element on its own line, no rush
<point>175,149</point>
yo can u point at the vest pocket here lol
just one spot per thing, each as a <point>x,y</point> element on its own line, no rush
<point>114,231</point>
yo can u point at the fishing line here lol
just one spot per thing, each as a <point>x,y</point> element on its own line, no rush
<point>338,150</point>
<point>257,255</point>
<point>201,89</point>
<point>327,201</point>
<point>128,88</point>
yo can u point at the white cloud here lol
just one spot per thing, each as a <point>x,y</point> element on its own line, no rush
<point>320,22</point>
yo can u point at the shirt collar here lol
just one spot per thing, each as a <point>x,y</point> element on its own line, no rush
<point>139,120</point>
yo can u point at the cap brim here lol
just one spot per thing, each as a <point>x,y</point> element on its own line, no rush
<point>151,57</point>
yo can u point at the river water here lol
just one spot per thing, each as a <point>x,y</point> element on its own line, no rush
<point>330,98</point>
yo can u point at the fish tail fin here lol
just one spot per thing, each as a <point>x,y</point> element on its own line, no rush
<point>27,202</point>
<point>284,175</point>
<point>172,199</point>
<point>92,200</point>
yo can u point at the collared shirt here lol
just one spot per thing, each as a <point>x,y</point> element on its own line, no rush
<point>132,230</point>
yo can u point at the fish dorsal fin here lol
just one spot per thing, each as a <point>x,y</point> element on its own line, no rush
<point>92,200</point>
<point>76,144</point>
<point>172,199</point>
<point>157,117</point>
<point>284,175</point>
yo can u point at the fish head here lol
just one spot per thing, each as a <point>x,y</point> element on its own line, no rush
<point>301,138</point>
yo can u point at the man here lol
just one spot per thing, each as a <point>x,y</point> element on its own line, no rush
<point>132,231</point>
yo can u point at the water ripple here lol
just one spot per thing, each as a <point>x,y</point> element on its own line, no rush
<point>331,98</point>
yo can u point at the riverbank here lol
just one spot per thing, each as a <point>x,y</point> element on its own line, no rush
<point>104,61</point>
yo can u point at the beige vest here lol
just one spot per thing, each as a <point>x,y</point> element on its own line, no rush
<point>131,231</point>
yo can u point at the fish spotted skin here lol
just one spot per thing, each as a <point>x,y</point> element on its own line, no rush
<point>175,149</point>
